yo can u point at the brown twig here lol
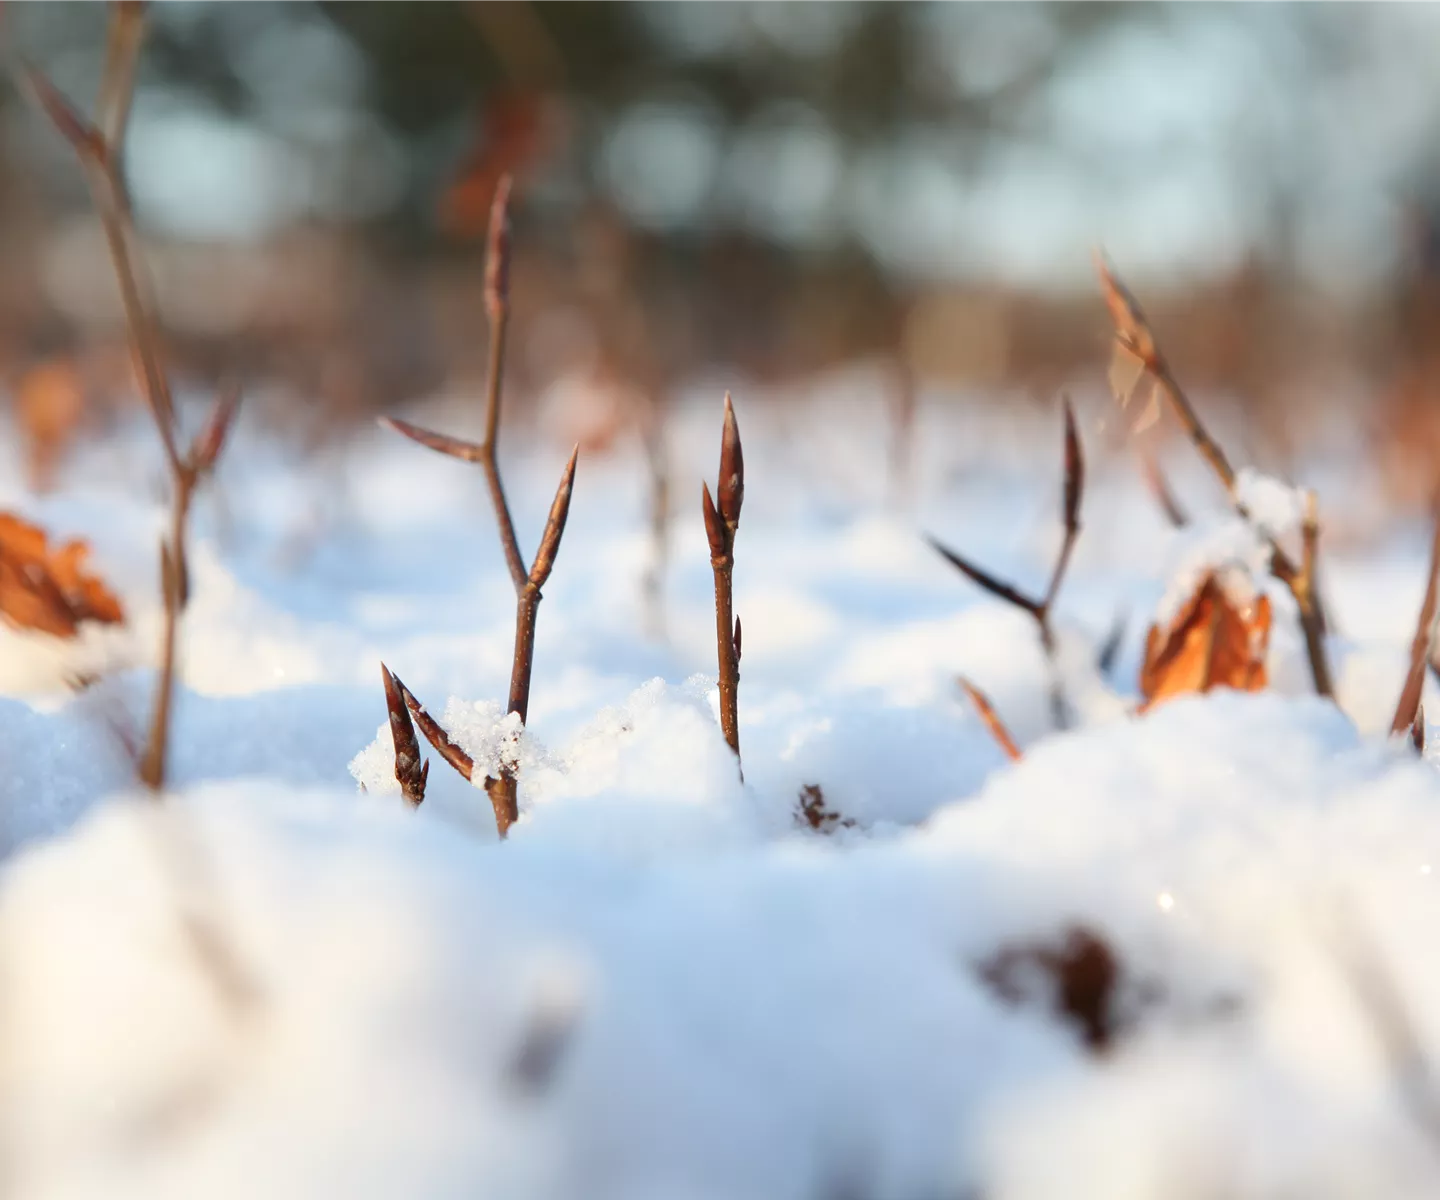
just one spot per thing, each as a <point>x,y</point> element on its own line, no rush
<point>503,790</point>
<point>435,735</point>
<point>1160,488</point>
<point>1408,707</point>
<point>411,771</point>
<point>1074,490</point>
<point>98,149</point>
<point>1137,358</point>
<point>1110,647</point>
<point>721,522</point>
<point>991,718</point>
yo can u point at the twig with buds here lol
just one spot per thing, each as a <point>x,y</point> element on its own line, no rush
<point>1040,609</point>
<point>1137,358</point>
<point>98,147</point>
<point>722,519</point>
<point>503,789</point>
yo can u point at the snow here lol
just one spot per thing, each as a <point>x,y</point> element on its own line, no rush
<point>663,983</point>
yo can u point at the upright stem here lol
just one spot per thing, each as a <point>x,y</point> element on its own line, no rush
<point>523,662</point>
<point>729,661</point>
<point>174,585</point>
<point>722,520</point>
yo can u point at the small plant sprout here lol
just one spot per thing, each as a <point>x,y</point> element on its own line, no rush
<point>1074,488</point>
<point>1409,717</point>
<point>721,522</point>
<point>98,147</point>
<point>992,720</point>
<point>502,790</point>
<point>1136,361</point>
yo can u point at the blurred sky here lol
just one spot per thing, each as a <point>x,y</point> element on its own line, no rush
<point>1019,135</point>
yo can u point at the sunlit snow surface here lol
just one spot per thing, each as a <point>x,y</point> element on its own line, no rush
<point>279,984</point>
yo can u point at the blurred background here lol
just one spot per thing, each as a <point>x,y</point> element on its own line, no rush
<point>760,193</point>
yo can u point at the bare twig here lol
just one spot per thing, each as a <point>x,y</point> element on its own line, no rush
<point>1110,647</point>
<point>503,790</point>
<point>98,149</point>
<point>721,522</point>
<point>1408,708</point>
<point>1137,359</point>
<point>1074,490</point>
<point>991,718</point>
<point>411,772</point>
<point>1160,488</point>
<point>436,736</point>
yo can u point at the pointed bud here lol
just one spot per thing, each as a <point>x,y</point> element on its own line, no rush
<point>714,527</point>
<point>205,450</point>
<point>731,490</point>
<point>554,525</point>
<point>410,771</point>
<point>497,250</point>
<point>1074,470</point>
<point>737,637</point>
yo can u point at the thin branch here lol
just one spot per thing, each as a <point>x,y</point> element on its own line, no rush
<point>411,771</point>
<point>98,149</point>
<point>991,718</point>
<point>1408,707</point>
<point>113,208</point>
<point>995,586</point>
<point>1160,488</point>
<point>455,447</point>
<point>1110,647</point>
<point>434,734</point>
<point>117,85</point>
<point>1073,493</point>
<point>497,310</point>
<point>1137,357</point>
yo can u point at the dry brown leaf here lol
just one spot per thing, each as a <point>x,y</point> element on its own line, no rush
<point>1211,642</point>
<point>47,589</point>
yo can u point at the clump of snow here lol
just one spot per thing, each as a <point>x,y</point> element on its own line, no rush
<point>1231,549</point>
<point>374,767</point>
<point>495,740</point>
<point>1277,509</point>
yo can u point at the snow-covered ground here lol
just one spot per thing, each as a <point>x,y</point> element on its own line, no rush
<point>662,985</point>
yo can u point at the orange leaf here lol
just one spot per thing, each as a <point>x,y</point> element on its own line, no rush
<point>1211,642</point>
<point>49,590</point>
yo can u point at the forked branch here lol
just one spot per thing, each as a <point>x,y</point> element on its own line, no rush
<point>1040,609</point>
<point>98,148</point>
<point>1137,361</point>
<point>722,519</point>
<point>503,790</point>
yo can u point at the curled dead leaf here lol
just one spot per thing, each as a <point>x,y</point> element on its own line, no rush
<point>48,589</point>
<point>1213,641</point>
